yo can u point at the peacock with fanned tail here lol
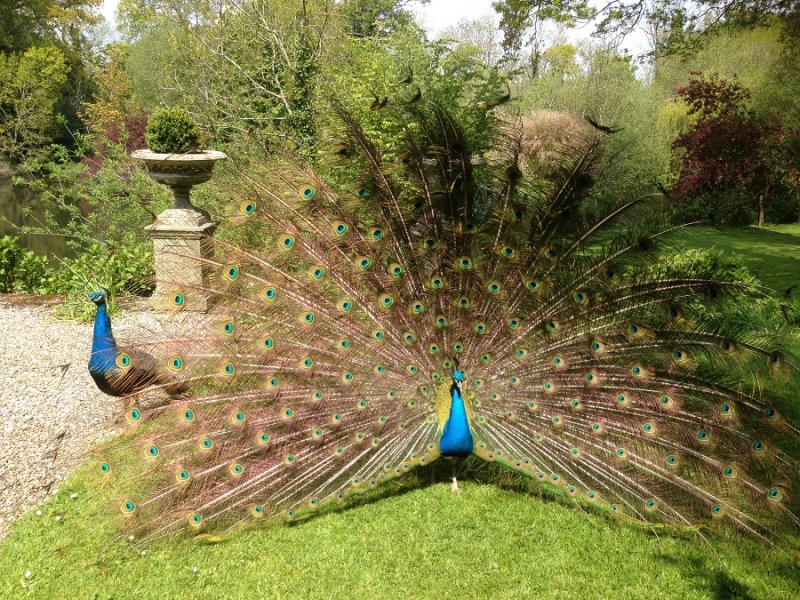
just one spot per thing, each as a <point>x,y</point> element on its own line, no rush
<point>434,304</point>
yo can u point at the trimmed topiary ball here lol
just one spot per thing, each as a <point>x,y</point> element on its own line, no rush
<point>171,131</point>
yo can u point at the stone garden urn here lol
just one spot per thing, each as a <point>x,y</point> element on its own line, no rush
<point>182,242</point>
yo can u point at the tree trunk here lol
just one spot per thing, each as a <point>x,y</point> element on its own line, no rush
<point>761,210</point>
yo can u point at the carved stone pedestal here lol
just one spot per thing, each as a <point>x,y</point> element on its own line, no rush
<point>181,243</point>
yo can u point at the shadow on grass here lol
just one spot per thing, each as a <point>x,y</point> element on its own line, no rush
<point>442,470</point>
<point>725,587</point>
<point>720,584</point>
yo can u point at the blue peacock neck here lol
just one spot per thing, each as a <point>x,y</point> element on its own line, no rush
<point>456,435</point>
<point>104,348</point>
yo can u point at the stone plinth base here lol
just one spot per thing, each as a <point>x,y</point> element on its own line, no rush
<point>182,244</point>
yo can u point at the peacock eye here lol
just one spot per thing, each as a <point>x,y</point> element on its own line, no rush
<point>363,263</point>
<point>386,300</point>
<point>248,208</point>
<point>230,272</point>
<point>286,241</point>
<point>339,228</point>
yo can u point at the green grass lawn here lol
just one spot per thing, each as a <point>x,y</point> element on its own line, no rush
<point>771,253</point>
<point>414,539</point>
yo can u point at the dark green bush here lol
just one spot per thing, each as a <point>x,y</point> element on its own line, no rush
<point>22,271</point>
<point>125,271</point>
<point>171,130</point>
<point>121,270</point>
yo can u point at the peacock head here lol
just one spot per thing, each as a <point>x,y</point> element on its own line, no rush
<point>458,376</point>
<point>98,298</point>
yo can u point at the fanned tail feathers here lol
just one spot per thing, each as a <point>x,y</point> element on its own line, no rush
<point>326,362</point>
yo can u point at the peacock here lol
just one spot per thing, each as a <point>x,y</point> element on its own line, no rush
<point>123,371</point>
<point>117,371</point>
<point>420,300</point>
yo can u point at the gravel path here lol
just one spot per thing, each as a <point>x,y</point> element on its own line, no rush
<point>51,413</point>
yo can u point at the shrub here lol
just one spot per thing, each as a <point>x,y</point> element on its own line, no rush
<point>171,130</point>
<point>22,271</point>
<point>122,270</point>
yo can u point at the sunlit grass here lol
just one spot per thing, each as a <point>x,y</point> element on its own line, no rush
<point>771,253</point>
<point>418,540</point>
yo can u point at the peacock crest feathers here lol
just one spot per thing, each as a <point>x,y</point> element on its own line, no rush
<point>327,362</point>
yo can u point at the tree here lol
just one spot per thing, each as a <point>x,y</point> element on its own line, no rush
<point>22,24</point>
<point>31,88</point>
<point>674,25</point>
<point>595,80</point>
<point>27,23</point>
<point>114,100</point>
<point>479,37</point>
<point>248,69</point>
<point>734,161</point>
<point>522,20</point>
<point>375,18</point>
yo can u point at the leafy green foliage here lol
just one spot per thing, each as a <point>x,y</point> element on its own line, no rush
<point>260,81</point>
<point>380,79</point>
<point>171,130</point>
<point>521,21</point>
<point>31,86</point>
<point>596,81</point>
<point>703,262</point>
<point>109,198</point>
<point>21,271</point>
<point>675,26</point>
<point>34,22</point>
<point>123,271</point>
<point>45,45</point>
<point>376,18</point>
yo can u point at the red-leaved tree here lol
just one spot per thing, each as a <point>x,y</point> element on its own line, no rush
<point>735,163</point>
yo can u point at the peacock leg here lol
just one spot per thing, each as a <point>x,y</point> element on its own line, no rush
<point>454,486</point>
